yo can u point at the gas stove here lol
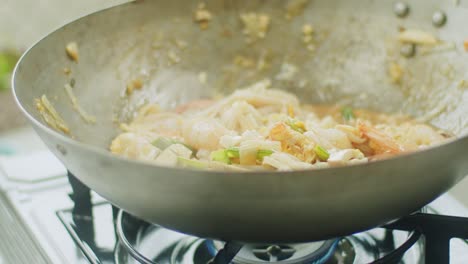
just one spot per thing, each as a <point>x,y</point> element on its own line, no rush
<point>48,216</point>
<point>141,242</point>
<point>137,240</point>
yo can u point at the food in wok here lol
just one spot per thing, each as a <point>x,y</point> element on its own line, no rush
<point>264,128</point>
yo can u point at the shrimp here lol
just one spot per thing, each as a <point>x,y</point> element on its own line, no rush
<point>378,141</point>
<point>204,133</point>
<point>293,142</point>
<point>421,135</point>
<point>413,136</point>
<point>354,135</point>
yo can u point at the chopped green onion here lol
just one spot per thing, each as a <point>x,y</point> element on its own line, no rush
<point>190,163</point>
<point>263,153</point>
<point>232,152</point>
<point>347,113</point>
<point>221,156</point>
<point>296,125</point>
<point>225,155</point>
<point>322,153</point>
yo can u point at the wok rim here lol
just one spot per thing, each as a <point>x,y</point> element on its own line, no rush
<point>108,155</point>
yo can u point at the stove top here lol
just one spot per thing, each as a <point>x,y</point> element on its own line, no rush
<point>50,228</point>
<point>140,242</point>
<point>137,239</point>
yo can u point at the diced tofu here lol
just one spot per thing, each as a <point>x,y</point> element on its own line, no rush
<point>171,155</point>
<point>180,150</point>
<point>346,156</point>
<point>134,146</point>
<point>167,158</point>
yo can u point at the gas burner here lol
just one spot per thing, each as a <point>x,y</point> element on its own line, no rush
<point>315,252</point>
<point>140,242</point>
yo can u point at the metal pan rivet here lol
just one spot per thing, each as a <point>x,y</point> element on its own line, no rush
<point>408,50</point>
<point>439,18</point>
<point>401,9</point>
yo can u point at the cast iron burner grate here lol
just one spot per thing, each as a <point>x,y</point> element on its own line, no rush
<point>365,247</point>
<point>437,231</point>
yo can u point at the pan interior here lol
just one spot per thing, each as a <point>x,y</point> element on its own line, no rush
<point>351,60</point>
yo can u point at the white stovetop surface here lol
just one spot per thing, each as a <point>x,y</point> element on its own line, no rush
<point>36,183</point>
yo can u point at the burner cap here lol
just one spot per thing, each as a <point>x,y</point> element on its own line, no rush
<point>315,252</point>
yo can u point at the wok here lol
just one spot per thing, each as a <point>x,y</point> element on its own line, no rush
<point>355,42</point>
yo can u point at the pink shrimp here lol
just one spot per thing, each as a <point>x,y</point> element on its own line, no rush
<point>380,142</point>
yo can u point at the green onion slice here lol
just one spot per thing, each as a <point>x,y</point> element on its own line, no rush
<point>347,113</point>
<point>221,156</point>
<point>225,155</point>
<point>263,153</point>
<point>232,152</point>
<point>293,125</point>
<point>322,153</point>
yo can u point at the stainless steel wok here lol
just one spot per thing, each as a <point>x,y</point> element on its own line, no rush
<point>355,45</point>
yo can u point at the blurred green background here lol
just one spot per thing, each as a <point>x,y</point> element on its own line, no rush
<point>22,23</point>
